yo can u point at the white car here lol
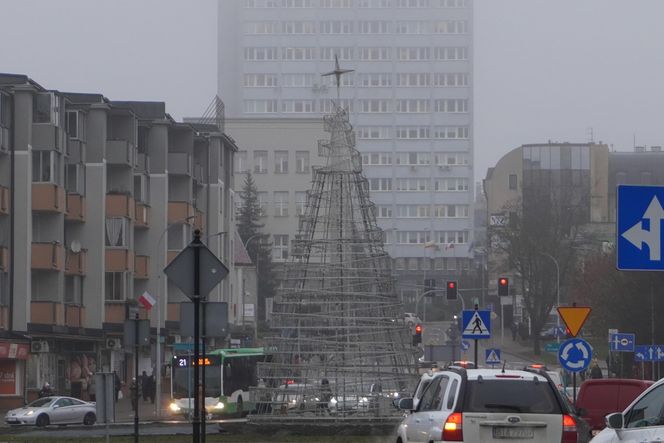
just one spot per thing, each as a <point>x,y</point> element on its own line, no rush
<point>411,319</point>
<point>490,405</point>
<point>642,421</point>
<point>53,411</point>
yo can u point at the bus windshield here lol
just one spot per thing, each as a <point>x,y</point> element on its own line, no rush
<point>183,377</point>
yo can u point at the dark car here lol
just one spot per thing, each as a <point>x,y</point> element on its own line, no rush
<point>600,397</point>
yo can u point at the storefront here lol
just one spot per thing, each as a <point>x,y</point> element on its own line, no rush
<point>13,356</point>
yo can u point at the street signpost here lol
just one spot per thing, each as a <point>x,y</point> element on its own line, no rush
<point>639,216</point>
<point>196,271</point>
<point>551,347</point>
<point>621,342</point>
<point>476,325</point>
<point>492,356</point>
<point>649,353</point>
<point>574,317</point>
<point>574,355</point>
<point>465,345</point>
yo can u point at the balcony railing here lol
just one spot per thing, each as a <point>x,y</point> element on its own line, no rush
<point>142,215</point>
<point>119,260</point>
<point>180,211</point>
<point>74,315</point>
<point>141,267</point>
<point>47,256</point>
<point>115,312</point>
<point>76,262</point>
<point>48,197</point>
<point>179,163</point>
<point>75,208</point>
<point>120,205</point>
<point>4,258</point>
<point>46,312</point>
<point>120,152</point>
<point>4,200</point>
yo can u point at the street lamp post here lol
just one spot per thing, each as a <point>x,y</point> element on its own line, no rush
<point>555,262</point>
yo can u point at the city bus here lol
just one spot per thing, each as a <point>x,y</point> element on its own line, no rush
<point>229,374</point>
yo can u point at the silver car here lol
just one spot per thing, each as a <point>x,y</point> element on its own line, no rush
<point>53,411</point>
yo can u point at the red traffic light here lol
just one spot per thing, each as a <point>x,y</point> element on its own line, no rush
<point>502,282</point>
<point>451,284</point>
<point>418,329</point>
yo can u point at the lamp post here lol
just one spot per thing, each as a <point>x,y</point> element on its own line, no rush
<point>555,262</point>
<point>159,303</point>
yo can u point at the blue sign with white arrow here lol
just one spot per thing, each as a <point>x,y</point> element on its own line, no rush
<point>649,353</point>
<point>465,345</point>
<point>621,342</point>
<point>575,354</point>
<point>492,356</point>
<point>639,220</point>
<point>476,324</point>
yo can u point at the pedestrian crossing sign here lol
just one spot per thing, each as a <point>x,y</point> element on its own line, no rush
<point>492,356</point>
<point>476,324</point>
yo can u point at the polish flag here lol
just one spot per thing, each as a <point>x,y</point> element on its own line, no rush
<point>147,300</point>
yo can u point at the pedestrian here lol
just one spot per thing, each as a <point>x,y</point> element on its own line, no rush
<point>46,390</point>
<point>145,386</point>
<point>595,370</point>
<point>133,389</point>
<point>116,384</point>
<point>152,387</point>
<point>92,388</point>
<point>514,329</point>
<point>325,396</point>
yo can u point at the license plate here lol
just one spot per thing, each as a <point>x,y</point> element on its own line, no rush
<point>513,432</point>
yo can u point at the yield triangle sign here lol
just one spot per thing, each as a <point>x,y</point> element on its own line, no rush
<point>574,317</point>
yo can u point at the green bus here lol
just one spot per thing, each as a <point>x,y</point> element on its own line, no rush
<point>229,374</point>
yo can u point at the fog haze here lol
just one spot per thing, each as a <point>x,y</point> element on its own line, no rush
<point>544,69</point>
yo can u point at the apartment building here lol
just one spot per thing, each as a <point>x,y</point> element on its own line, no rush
<point>281,155</point>
<point>410,100</point>
<point>96,197</point>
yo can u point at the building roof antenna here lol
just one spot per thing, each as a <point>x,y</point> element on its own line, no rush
<point>338,72</point>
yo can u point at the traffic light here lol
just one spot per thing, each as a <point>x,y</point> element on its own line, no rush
<point>430,285</point>
<point>417,336</point>
<point>503,286</point>
<point>451,290</point>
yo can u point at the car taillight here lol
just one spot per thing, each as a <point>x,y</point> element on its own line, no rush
<point>569,429</point>
<point>453,428</point>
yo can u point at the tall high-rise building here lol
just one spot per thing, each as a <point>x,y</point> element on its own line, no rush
<point>410,101</point>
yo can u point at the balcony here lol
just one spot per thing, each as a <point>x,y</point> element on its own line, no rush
<point>120,152</point>
<point>120,205</point>
<point>119,260</point>
<point>46,136</point>
<point>4,258</point>
<point>115,312</point>
<point>179,163</point>
<point>75,208</point>
<point>142,215</point>
<point>47,312</point>
<point>4,200</point>
<point>178,212</point>
<point>198,173</point>
<point>48,197</point>
<point>76,262</point>
<point>74,315</point>
<point>141,267</point>
<point>143,163</point>
<point>47,256</point>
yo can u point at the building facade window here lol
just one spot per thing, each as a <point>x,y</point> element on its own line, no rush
<point>336,3</point>
<point>377,158</point>
<point>414,80</point>
<point>298,80</point>
<point>450,184</point>
<point>280,247</point>
<point>414,54</point>
<point>75,178</point>
<point>344,54</point>
<point>412,27</point>
<point>413,237</point>
<point>383,211</point>
<point>412,132</point>
<point>302,162</point>
<point>298,3</point>
<point>372,132</point>
<point>412,105</point>
<point>281,162</point>
<point>46,167</point>
<point>260,80</point>
<point>261,28</point>
<point>378,4</point>
<point>374,27</point>
<point>297,106</point>
<point>451,132</point>
<point>374,105</point>
<point>260,106</point>
<point>450,27</point>
<point>301,202</point>
<point>336,27</point>
<point>263,202</point>
<point>327,106</point>
<point>412,184</point>
<point>451,105</point>
<point>117,232</point>
<point>298,54</point>
<point>380,184</point>
<point>512,181</point>
<point>374,54</point>
<point>450,53</point>
<point>281,204</point>
<point>241,165</point>
<point>451,158</point>
<point>116,286</point>
<point>413,211</point>
<point>260,54</point>
<point>451,211</point>
<point>73,289</point>
<point>450,79</point>
<point>260,162</point>
<point>46,108</point>
<point>375,80</point>
<point>299,27</point>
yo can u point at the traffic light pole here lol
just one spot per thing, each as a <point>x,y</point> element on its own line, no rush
<point>196,243</point>
<point>477,342</point>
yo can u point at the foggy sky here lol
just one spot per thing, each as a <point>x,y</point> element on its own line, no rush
<point>544,69</point>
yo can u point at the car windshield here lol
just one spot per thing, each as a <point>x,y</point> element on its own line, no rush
<point>42,402</point>
<point>535,397</point>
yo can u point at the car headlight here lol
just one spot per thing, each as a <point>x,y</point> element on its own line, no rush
<point>333,401</point>
<point>395,395</point>
<point>317,399</point>
<point>293,401</point>
<point>30,412</point>
<point>364,400</point>
<point>174,407</point>
<point>219,405</point>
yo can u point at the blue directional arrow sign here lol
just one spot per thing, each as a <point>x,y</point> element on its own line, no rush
<point>620,342</point>
<point>465,345</point>
<point>575,354</point>
<point>649,353</point>
<point>639,220</point>
<point>492,356</point>
<point>476,324</point>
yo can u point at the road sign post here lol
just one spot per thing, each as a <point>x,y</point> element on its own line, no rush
<point>492,356</point>
<point>639,207</point>
<point>196,271</point>
<point>574,356</point>
<point>476,325</point>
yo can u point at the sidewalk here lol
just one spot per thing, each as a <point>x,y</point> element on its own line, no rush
<point>146,411</point>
